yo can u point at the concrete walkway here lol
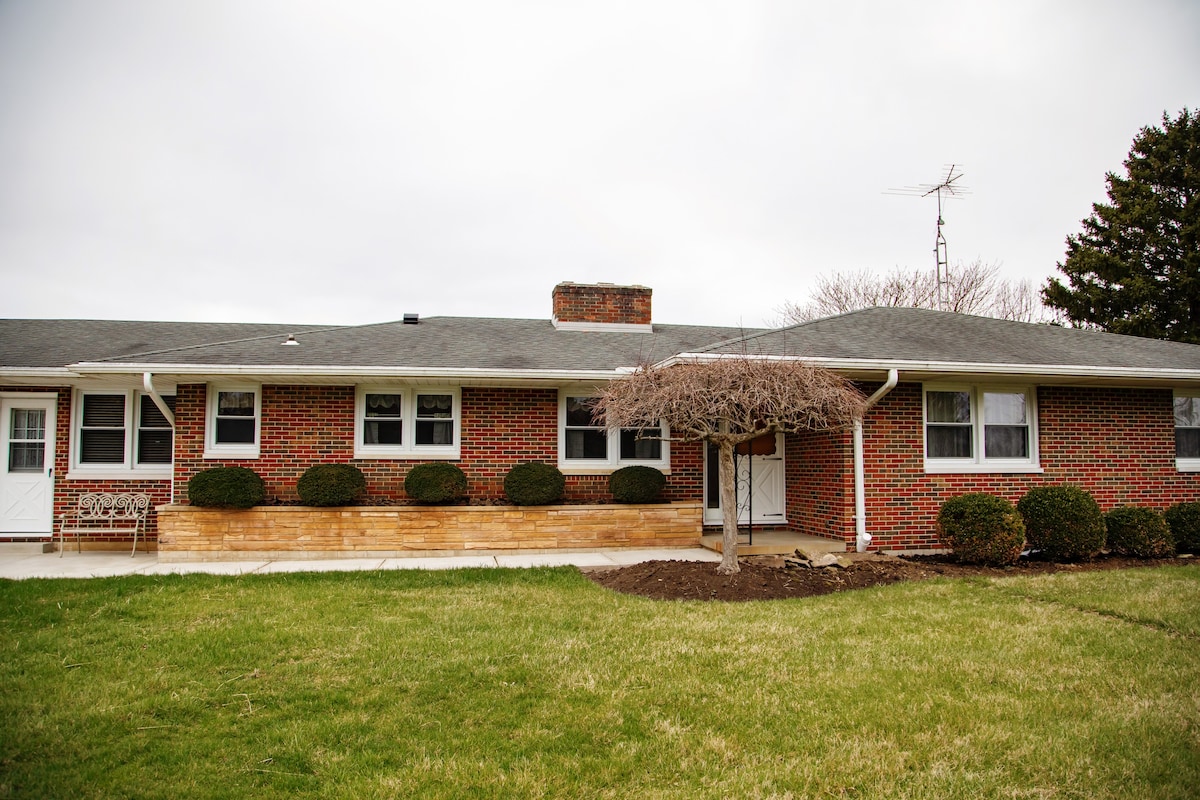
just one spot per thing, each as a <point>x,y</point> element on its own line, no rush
<point>18,565</point>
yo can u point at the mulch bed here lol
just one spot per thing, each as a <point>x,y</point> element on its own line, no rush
<point>768,578</point>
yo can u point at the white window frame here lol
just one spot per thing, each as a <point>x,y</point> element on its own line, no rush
<point>613,461</point>
<point>408,447</point>
<point>978,461</point>
<point>1183,464</point>
<point>128,468</point>
<point>248,450</point>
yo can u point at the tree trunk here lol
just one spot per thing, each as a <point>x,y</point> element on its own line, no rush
<point>727,477</point>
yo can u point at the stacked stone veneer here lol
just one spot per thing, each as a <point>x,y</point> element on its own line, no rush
<point>188,533</point>
<point>1118,444</point>
<point>601,303</point>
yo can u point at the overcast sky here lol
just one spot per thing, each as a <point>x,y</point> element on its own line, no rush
<point>347,162</point>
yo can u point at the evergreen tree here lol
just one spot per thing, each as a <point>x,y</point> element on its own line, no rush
<point>1135,268</point>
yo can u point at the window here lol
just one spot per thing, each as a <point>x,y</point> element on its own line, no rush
<point>435,419</point>
<point>234,415</point>
<point>27,440</point>
<point>403,423</point>
<point>121,431</point>
<point>979,429</point>
<point>583,438</point>
<point>1187,432</point>
<point>102,435</point>
<point>154,435</point>
<point>584,444</point>
<point>383,419</point>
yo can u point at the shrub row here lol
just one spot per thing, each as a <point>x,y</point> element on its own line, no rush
<point>1062,523</point>
<point>432,483</point>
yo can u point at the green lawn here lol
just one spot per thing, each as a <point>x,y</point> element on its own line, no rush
<point>537,683</point>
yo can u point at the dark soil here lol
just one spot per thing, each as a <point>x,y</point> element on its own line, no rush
<point>769,578</point>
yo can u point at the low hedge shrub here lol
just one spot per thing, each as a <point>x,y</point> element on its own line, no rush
<point>1139,532</point>
<point>1063,522</point>
<point>981,529</point>
<point>226,487</point>
<point>1184,521</point>
<point>331,485</point>
<point>534,483</point>
<point>435,482</point>
<point>636,484</point>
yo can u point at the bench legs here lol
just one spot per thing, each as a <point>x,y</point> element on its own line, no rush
<point>77,533</point>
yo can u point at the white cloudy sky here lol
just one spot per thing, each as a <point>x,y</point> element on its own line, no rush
<point>345,162</point>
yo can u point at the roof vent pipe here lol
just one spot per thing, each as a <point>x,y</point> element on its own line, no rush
<point>411,319</point>
<point>862,539</point>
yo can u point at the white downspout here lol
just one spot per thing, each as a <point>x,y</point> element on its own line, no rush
<point>862,539</point>
<point>148,383</point>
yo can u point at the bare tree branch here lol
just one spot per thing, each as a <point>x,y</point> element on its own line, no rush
<point>728,401</point>
<point>974,288</point>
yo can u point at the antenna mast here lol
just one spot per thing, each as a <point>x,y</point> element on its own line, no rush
<point>947,188</point>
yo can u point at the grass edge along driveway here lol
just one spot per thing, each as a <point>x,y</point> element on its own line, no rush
<point>537,683</point>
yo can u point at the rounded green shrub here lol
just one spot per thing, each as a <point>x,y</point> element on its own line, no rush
<point>534,483</point>
<point>1139,532</point>
<point>331,485</point>
<point>1063,522</point>
<point>636,484</point>
<point>435,482</point>
<point>1184,521</point>
<point>226,487</point>
<point>981,529</point>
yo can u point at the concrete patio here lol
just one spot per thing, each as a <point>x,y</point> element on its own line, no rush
<point>18,563</point>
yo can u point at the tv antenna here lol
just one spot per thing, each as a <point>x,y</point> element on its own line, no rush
<point>948,187</point>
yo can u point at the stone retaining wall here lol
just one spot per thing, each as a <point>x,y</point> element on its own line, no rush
<point>188,533</point>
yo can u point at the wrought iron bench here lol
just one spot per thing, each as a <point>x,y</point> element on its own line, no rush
<point>104,512</point>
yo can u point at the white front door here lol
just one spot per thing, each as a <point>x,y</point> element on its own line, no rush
<point>27,472</point>
<point>761,498</point>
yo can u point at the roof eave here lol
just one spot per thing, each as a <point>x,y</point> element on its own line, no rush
<point>1051,371</point>
<point>324,373</point>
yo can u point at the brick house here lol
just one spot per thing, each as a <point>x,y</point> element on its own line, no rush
<point>959,404</point>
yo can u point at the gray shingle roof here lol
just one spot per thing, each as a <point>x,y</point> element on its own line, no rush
<point>436,342</point>
<point>920,335</point>
<point>877,335</point>
<point>58,342</point>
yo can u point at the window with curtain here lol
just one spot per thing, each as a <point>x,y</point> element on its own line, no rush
<point>406,423</point>
<point>982,427</point>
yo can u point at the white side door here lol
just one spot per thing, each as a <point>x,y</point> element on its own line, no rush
<point>760,489</point>
<point>761,495</point>
<point>27,471</point>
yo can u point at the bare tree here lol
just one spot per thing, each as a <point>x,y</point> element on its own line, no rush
<point>726,402</point>
<point>974,288</point>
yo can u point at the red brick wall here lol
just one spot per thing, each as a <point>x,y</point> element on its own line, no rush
<point>306,425</point>
<point>575,302</point>
<point>820,483</point>
<point>67,489</point>
<point>1118,444</point>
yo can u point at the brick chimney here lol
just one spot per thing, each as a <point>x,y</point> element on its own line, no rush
<point>601,306</point>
